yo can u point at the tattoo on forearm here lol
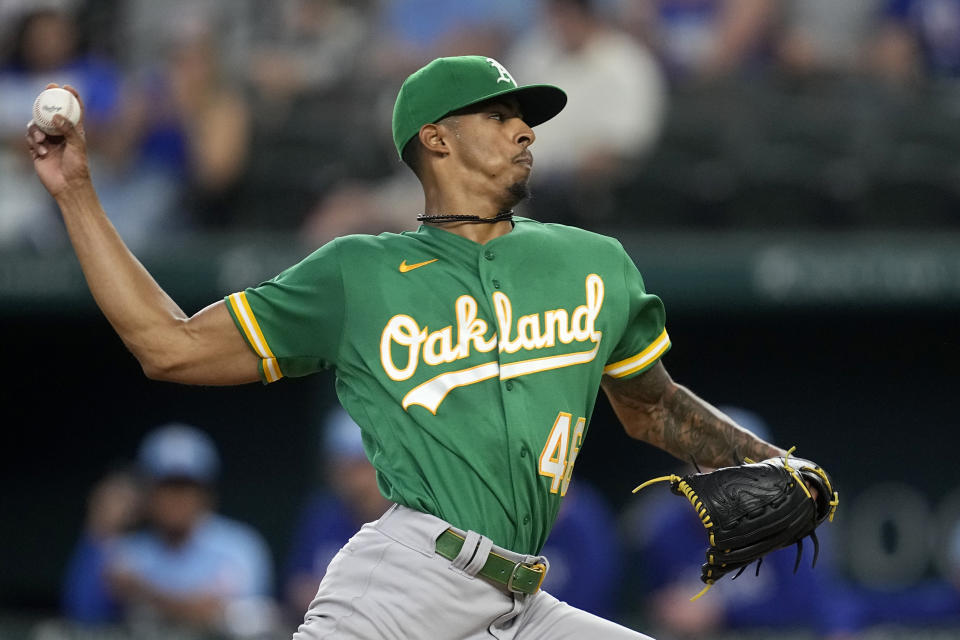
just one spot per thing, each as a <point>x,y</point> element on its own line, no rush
<point>692,429</point>
<point>670,416</point>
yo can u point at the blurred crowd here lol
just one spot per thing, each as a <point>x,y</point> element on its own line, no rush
<point>250,115</point>
<point>155,558</point>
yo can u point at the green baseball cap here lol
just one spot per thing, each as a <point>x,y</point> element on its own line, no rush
<point>448,84</point>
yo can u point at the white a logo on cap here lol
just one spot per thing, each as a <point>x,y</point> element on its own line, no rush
<point>504,74</point>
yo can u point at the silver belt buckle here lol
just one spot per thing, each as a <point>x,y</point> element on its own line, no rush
<point>513,574</point>
<point>538,567</point>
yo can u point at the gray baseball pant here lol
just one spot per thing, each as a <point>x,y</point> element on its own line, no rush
<point>389,582</point>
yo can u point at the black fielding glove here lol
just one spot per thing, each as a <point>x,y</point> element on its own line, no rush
<point>752,509</point>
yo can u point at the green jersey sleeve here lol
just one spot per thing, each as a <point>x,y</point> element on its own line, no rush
<point>294,321</point>
<point>644,338</point>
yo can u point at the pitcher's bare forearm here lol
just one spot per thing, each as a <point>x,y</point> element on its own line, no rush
<point>127,294</point>
<point>204,349</point>
<point>655,409</point>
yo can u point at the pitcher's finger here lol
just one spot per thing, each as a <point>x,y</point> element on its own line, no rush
<point>66,128</point>
<point>76,94</point>
<point>34,133</point>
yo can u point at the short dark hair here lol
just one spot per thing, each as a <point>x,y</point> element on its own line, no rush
<point>411,155</point>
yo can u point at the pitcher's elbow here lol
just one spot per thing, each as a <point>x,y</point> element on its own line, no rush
<point>159,367</point>
<point>154,371</point>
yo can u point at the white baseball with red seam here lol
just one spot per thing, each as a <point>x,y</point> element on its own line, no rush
<point>51,102</point>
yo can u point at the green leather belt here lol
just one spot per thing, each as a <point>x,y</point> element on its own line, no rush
<point>517,577</point>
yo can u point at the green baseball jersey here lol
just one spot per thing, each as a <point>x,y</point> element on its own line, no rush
<point>471,369</point>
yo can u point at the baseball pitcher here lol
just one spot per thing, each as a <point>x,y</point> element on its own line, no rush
<point>469,351</point>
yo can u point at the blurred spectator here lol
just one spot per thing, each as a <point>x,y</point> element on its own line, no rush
<point>584,552</point>
<point>189,567</point>
<point>148,27</point>
<point>317,99</point>
<point>701,40</point>
<point>615,109</point>
<point>12,10</point>
<point>44,48</point>
<point>307,46</point>
<point>114,509</point>
<point>826,36</point>
<point>668,542</point>
<point>186,136</point>
<point>918,39</point>
<point>332,516</point>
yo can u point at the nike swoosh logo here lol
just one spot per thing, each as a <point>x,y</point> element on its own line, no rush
<point>404,267</point>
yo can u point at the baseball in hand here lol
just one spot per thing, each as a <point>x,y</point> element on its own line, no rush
<point>49,103</point>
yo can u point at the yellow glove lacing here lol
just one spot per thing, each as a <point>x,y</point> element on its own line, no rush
<point>834,503</point>
<point>701,510</point>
